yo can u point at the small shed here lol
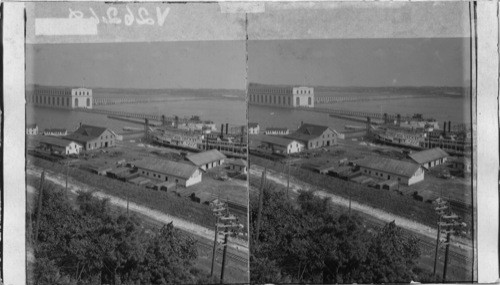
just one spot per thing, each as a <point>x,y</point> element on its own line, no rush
<point>165,186</point>
<point>238,165</point>
<point>100,170</point>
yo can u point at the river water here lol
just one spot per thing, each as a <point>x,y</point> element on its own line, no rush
<point>456,110</point>
<point>233,111</point>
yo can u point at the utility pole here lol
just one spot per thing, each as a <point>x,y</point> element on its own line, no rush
<point>39,210</point>
<point>449,224</point>
<point>231,227</point>
<point>259,213</point>
<point>218,209</point>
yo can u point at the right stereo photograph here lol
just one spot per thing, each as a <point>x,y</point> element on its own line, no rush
<point>360,142</point>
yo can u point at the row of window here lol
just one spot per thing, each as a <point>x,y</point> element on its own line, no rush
<point>159,176</point>
<point>52,92</point>
<point>379,174</point>
<point>271,91</point>
<point>56,101</point>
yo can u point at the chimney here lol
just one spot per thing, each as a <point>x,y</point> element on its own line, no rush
<point>398,122</point>
<point>227,127</point>
<point>176,122</point>
<point>449,126</point>
<point>221,130</point>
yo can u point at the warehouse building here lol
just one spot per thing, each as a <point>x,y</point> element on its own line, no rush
<point>281,96</point>
<point>55,132</point>
<point>314,136</point>
<point>93,137</point>
<point>61,97</point>
<point>59,146</point>
<point>406,173</point>
<point>430,158</point>
<point>207,159</point>
<point>182,174</point>
<point>282,145</point>
<point>277,131</point>
<point>238,165</point>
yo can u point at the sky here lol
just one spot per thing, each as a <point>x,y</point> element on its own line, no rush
<point>181,64</point>
<point>360,62</point>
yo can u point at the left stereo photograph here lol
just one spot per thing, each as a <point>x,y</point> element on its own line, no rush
<point>136,144</point>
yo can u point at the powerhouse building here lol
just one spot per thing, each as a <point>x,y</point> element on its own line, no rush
<point>61,97</point>
<point>281,96</point>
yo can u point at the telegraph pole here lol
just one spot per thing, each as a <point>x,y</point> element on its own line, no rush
<point>218,209</point>
<point>223,259</point>
<point>442,205</point>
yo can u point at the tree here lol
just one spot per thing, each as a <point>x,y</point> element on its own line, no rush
<point>306,241</point>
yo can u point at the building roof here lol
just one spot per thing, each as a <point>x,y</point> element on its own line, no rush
<point>205,157</point>
<point>86,133</point>
<point>428,155</point>
<point>54,141</point>
<point>281,141</point>
<point>172,168</point>
<point>397,167</point>
<point>253,125</point>
<point>32,126</point>
<point>308,132</point>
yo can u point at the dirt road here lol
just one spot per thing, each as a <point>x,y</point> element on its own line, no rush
<point>405,223</point>
<point>74,186</point>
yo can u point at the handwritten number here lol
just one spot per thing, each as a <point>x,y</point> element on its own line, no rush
<point>144,17</point>
<point>161,16</point>
<point>94,16</point>
<point>75,14</point>
<point>112,14</point>
<point>129,18</point>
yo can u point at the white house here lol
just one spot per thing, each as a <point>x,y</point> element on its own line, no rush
<point>182,174</point>
<point>253,128</point>
<point>32,129</point>
<point>59,146</point>
<point>282,145</point>
<point>404,172</point>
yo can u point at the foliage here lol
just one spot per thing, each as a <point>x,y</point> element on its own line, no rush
<point>389,201</point>
<point>158,200</point>
<point>87,244</point>
<point>304,242</point>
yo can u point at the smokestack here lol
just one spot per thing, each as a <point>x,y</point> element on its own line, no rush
<point>398,122</point>
<point>163,120</point>
<point>221,130</point>
<point>242,133</point>
<point>227,127</point>
<point>385,118</point>
<point>449,126</point>
<point>176,122</point>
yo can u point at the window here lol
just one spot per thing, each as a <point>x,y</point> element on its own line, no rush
<point>297,101</point>
<point>309,101</point>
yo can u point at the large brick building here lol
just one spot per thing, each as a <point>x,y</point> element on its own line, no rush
<point>61,97</point>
